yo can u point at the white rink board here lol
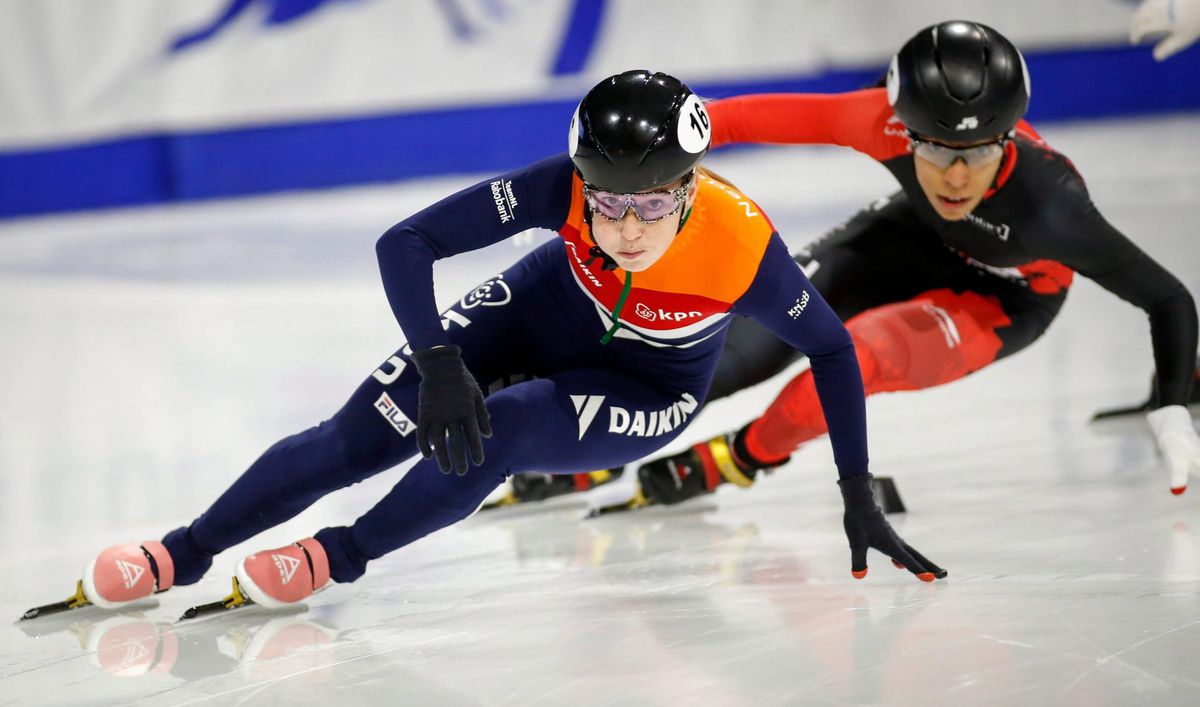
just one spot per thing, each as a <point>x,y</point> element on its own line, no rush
<point>88,70</point>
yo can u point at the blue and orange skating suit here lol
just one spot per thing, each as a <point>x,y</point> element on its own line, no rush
<point>1036,225</point>
<point>727,259</point>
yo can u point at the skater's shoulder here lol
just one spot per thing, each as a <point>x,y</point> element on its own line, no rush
<point>727,215</point>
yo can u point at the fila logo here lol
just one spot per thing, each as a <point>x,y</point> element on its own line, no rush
<point>586,407</point>
<point>651,315</point>
<point>798,308</point>
<point>130,573</point>
<point>286,566</point>
<point>394,415</point>
<point>968,123</point>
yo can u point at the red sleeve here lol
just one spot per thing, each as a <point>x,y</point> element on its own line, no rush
<point>1027,129</point>
<point>862,120</point>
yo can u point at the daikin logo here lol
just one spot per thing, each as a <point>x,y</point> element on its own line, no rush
<point>583,266</point>
<point>286,566</point>
<point>586,407</point>
<point>130,573</point>
<point>651,423</point>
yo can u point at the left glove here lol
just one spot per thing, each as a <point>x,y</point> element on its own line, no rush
<point>1176,21</point>
<point>867,528</point>
<point>1178,441</point>
<point>451,417</point>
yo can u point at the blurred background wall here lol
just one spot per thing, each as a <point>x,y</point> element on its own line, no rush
<point>123,102</point>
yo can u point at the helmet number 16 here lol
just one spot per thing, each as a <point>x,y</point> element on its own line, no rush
<point>693,130</point>
<point>699,120</point>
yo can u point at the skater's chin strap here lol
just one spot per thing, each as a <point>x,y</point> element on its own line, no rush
<point>607,263</point>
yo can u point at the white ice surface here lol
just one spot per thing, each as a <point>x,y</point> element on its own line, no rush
<point>147,356</point>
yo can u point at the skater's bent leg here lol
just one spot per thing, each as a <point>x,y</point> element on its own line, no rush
<point>938,337</point>
<point>535,428</point>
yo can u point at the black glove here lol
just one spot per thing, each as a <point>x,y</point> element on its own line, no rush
<point>450,414</point>
<point>866,527</point>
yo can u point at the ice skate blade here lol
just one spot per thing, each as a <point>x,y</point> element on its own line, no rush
<point>639,500</point>
<point>506,501</point>
<point>236,599</point>
<point>72,602</point>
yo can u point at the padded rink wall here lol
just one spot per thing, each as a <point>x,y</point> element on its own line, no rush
<point>123,102</point>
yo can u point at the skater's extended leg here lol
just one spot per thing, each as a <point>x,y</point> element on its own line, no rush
<point>936,338</point>
<point>353,445</point>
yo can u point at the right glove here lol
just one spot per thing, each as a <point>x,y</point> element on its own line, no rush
<point>866,528</point>
<point>1177,21</point>
<point>1178,441</point>
<point>451,417</point>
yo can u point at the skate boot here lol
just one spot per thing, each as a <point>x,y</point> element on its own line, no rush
<point>701,469</point>
<point>283,576</point>
<point>125,573</point>
<point>1151,401</point>
<point>528,486</point>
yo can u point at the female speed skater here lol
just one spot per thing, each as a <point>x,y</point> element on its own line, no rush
<point>967,264</point>
<point>617,327</point>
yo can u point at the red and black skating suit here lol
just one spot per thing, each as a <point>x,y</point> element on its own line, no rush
<point>927,300</point>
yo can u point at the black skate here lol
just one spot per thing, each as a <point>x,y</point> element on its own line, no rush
<point>697,471</point>
<point>1151,400</point>
<point>236,600</point>
<point>530,486</point>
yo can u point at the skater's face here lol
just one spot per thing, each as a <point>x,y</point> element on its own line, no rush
<point>955,177</point>
<point>632,242</point>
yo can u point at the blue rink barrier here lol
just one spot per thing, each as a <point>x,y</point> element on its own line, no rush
<point>184,166</point>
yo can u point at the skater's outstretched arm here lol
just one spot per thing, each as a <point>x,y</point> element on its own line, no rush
<point>1086,242</point>
<point>811,326</point>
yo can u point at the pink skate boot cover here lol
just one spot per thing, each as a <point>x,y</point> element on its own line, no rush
<point>123,573</point>
<point>286,575</point>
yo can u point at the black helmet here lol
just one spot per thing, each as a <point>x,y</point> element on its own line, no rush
<point>638,130</point>
<point>958,81</point>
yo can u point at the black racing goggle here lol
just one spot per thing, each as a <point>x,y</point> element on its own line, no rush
<point>942,156</point>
